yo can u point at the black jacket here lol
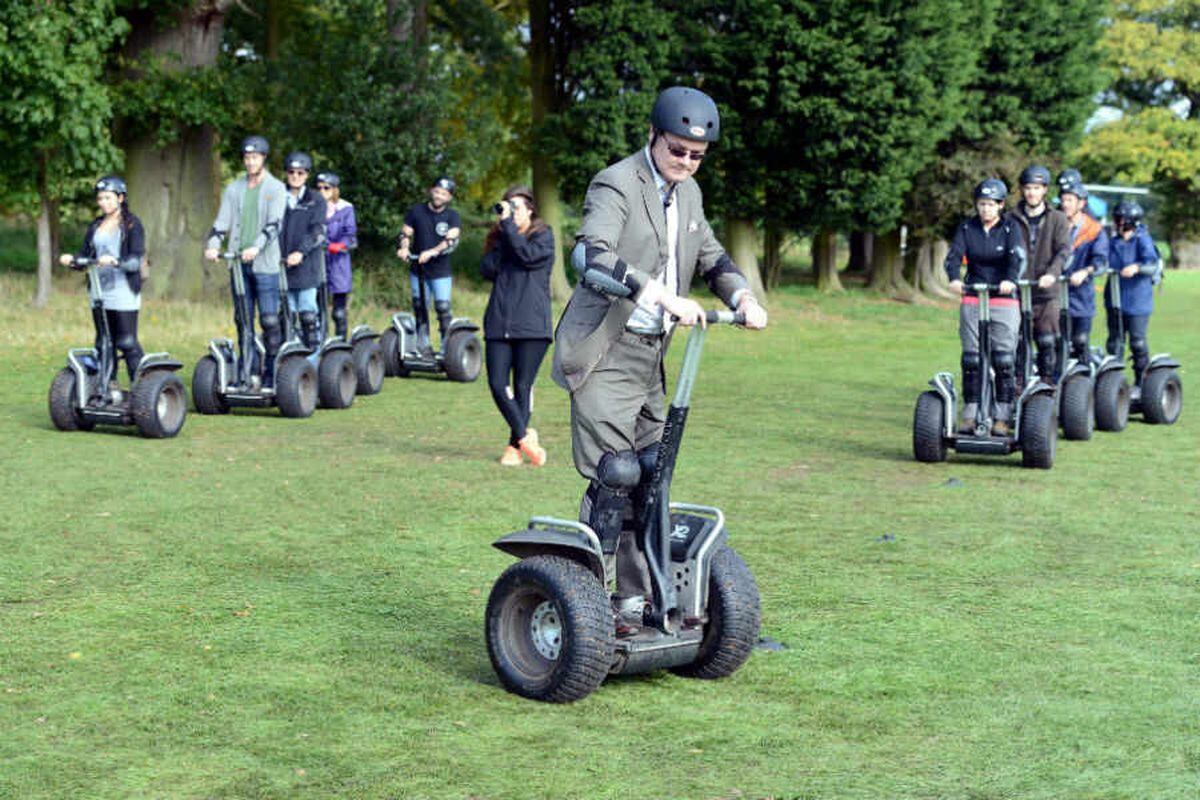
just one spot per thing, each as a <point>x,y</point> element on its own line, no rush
<point>991,256</point>
<point>304,232</point>
<point>519,307</point>
<point>133,248</point>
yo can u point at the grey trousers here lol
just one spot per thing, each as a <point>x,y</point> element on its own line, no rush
<point>1002,329</point>
<point>621,406</point>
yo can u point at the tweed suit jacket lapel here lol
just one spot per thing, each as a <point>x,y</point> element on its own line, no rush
<point>654,210</point>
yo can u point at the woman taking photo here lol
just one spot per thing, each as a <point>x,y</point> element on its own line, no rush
<point>518,255</point>
<point>117,242</point>
<point>341,231</point>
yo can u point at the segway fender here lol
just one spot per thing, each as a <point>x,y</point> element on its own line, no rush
<point>1108,364</point>
<point>154,362</point>
<point>461,324</point>
<point>561,537</point>
<point>404,324</point>
<point>1162,361</point>
<point>334,343</point>
<point>943,384</point>
<point>362,332</point>
<point>83,362</point>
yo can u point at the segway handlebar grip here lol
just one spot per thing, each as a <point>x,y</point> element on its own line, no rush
<point>81,262</point>
<point>717,317</point>
<point>984,287</point>
<point>605,284</point>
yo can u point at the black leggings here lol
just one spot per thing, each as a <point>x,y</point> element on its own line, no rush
<point>122,326</point>
<point>520,359</point>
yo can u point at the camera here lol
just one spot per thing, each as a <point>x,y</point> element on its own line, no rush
<point>498,208</point>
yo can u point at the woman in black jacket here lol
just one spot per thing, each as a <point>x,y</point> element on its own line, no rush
<point>117,242</point>
<point>518,255</point>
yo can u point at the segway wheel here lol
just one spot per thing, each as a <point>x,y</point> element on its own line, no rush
<point>1112,401</point>
<point>63,411</point>
<point>1078,408</point>
<point>549,629</point>
<point>158,403</point>
<point>296,387</point>
<point>368,366</point>
<point>929,425</point>
<point>1162,397</point>
<point>733,619</point>
<point>463,356</point>
<point>336,379</point>
<point>1039,432</point>
<point>389,343</point>
<point>206,388</point>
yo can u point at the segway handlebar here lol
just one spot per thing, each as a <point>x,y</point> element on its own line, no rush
<point>983,287</point>
<point>82,262</point>
<point>716,317</point>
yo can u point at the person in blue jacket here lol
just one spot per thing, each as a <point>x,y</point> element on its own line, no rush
<point>1130,249</point>
<point>1089,253</point>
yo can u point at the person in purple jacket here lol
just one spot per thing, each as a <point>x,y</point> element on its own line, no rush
<point>341,232</point>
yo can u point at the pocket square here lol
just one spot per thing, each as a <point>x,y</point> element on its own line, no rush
<point>693,226</point>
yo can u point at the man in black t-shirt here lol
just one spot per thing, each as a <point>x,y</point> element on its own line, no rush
<point>431,230</point>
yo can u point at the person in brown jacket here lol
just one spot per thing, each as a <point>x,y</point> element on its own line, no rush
<point>1047,234</point>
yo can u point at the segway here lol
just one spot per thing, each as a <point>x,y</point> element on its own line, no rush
<point>86,393</point>
<point>1074,382</point>
<point>550,629</point>
<point>231,375</point>
<point>406,347</point>
<point>1158,396</point>
<point>1035,432</point>
<point>366,352</point>
<point>334,358</point>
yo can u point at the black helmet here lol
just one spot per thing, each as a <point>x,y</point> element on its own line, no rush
<point>445,182</point>
<point>1072,187</point>
<point>1069,176</point>
<point>1035,174</point>
<point>685,112</point>
<point>991,189</point>
<point>298,160</point>
<point>329,177</point>
<point>111,183</point>
<point>1128,211</point>
<point>255,144</point>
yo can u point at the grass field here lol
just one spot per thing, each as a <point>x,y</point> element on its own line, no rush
<point>271,608</point>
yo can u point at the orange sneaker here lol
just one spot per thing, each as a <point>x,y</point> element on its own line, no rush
<point>532,435</point>
<point>532,450</point>
<point>511,457</point>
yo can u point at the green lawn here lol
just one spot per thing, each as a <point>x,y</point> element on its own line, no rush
<point>281,608</point>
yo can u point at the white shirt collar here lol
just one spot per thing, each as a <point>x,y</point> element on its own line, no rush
<point>664,188</point>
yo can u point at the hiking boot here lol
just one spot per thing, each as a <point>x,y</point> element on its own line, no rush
<point>628,614</point>
<point>511,457</point>
<point>967,427</point>
<point>1001,427</point>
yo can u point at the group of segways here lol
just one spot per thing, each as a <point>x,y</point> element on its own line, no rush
<point>1088,393</point>
<point>327,373</point>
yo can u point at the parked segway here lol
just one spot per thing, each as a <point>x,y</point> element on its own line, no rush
<point>231,376</point>
<point>86,392</point>
<point>1035,432</point>
<point>406,346</point>
<point>1159,397</point>
<point>1077,378</point>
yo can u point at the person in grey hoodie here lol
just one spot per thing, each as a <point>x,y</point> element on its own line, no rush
<point>249,220</point>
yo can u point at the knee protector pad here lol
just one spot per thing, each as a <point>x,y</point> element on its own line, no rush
<point>126,343</point>
<point>1079,345</point>
<point>618,474</point>
<point>308,324</point>
<point>339,316</point>
<point>1047,355</point>
<point>1140,349</point>
<point>1005,364</point>
<point>971,365</point>
<point>441,307</point>
<point>272,333</point>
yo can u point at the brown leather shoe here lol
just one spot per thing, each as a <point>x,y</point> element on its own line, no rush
<point>967,427</point>
<point>1000,428</point>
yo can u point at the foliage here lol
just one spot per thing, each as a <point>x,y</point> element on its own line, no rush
<point>54,105</point>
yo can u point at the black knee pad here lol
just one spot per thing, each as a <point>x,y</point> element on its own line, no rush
<point>272,333</point>
<point>1079,344</point>
<point>617,475</point>
<point>1047,355</point>
<point>308,318</point>
<point>647,461</point>
<point>126,343</point>
<point>1138,346</point>
<point>1005,364</point>
<point>442,307</point>
<point>971,365</point>
<point>339,315</point>
<point>1046,341</point>
<point>308,323</point>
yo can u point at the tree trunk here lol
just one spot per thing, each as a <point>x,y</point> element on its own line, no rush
<point>772,266</point>
<point>545,181</point>
<point>44,245</point>
<point>824,258</point>
<point>931,278</point>
<point>742,245</point>
<point>175,188</point>
<point>861,246</point>
<point>887,269</point>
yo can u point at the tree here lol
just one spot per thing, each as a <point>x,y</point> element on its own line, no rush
<point>1151,48</point>
<point>54,108</point>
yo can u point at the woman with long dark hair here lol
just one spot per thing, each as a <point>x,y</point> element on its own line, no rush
<point>518,255</point>
<point>117,242</point>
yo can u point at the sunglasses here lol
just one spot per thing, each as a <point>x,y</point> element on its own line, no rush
<point>683,152</point>
<point>324,188</point>
<point>297,172</point>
